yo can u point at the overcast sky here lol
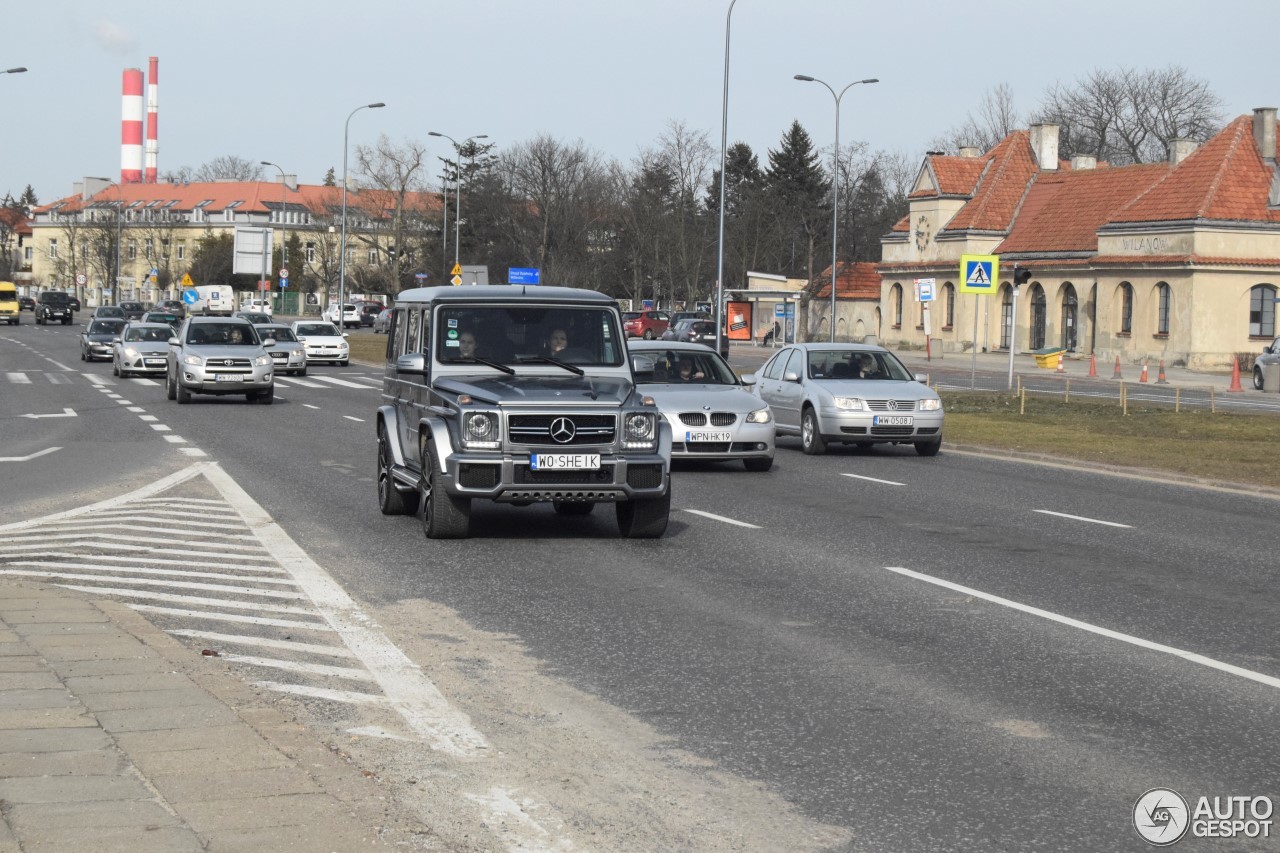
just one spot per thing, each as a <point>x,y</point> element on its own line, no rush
<point>276,79</point>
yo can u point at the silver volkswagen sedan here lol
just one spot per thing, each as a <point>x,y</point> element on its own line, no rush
<point>141,348</point>
<point>712,413</point>
<point>849,393</point>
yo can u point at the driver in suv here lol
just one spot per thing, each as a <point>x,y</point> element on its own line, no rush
<point>220,355</point>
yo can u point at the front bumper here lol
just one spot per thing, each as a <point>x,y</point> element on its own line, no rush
<point>328,354</point>
<point>509,478</point>
<point>745,441</point>
<point>841,425</point>
<point>99,351</point>
<point>144,363</point>
<point>209,380</point>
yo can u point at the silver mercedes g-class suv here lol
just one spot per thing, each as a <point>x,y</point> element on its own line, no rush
<point>517,395</point>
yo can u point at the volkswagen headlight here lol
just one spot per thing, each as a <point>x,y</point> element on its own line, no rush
<point>760,416</point>
<point>929,405</point>
<point>639,429</point>
<point>262,360</point>
<point>480,429</point>
<point>193,360</point>
<point>850,404</point>
<point>342,345</point>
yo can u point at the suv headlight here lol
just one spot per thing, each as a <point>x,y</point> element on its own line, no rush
<point>262,360</point>
<point>193,360</point>
<point>929,405</point>
<point>639,429</point>
<point>480,429</point>
<point>760,416</point>
<point>851,404</point>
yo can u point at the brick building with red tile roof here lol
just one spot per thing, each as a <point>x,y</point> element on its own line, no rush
<point>1177,260</point>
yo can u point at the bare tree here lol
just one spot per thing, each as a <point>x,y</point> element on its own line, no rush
<point>996,118</point>
<point>228,168</point>
<point>397,174</point>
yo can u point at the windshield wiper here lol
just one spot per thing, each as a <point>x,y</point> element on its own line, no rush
<point>542,359</point>
<point>495,365</point>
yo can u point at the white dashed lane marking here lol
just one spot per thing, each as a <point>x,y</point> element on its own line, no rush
<point>1082,518</point>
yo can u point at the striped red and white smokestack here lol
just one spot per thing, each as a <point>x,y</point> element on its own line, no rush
<point>153,103</point>
<point>131,128</point>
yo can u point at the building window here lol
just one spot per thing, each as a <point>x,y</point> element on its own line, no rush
<point>26,254</point>
<point>53,248</point>
<point>1006,317</point>
<point>1126,308</point>
<point>182,250</point>
<point>133,250</point>
<point>895,305</point>
<point>149,247</point>
<point>1262,311</point>
<point>311,253</point>
<point>948,305</point>
<point>373,257</point>
<point>1166,298</point>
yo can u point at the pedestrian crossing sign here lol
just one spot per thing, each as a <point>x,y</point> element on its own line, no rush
<point>979,273</point>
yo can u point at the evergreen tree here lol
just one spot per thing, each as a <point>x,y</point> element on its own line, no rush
<point>799,191</point>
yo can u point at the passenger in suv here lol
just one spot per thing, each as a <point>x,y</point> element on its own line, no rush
<point>53,305</point>
<point>220,355</point>
<point>512,423</point>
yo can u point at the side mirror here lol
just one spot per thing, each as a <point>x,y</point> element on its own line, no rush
<point>116,339</point>
<point>345,335</point>
<point>267,343</point>
<point>791,376</point>
<point>302,340</point>
<point>921,378</point>
<point>748,379</point>
<point>412,363</point>
<point>173,342</point>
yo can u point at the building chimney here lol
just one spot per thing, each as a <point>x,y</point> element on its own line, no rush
<point>1083,162</point>
<point>1264,132</point>
<point>131,127</point>
<point>153,133</point>
<point>1180,149</point>
<point>1044,144</point>
<point>969,151</point>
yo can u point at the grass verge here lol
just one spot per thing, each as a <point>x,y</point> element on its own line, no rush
<point>371,348</point>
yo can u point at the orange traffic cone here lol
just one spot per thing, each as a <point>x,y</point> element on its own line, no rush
<point>1117,374</point>
<point>1093,364</point>
<point>1160,380</point>
<point>1143,377</point>
<point>1235,376</point>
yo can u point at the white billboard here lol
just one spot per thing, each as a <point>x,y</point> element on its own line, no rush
<point>252,253</point>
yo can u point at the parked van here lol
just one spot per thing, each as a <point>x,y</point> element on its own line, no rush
<point>214,299</point>
<point>10,310</point>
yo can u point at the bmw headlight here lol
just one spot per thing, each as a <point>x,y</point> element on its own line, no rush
<point>193,360</point>
<point>760,416</point>
<point>480,429</point>
<point>850,404</point>
<point>639,429</point>
<point>262,360</point>
<point>929,405</point>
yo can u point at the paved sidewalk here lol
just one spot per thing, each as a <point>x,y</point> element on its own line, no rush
<point>115,737</point>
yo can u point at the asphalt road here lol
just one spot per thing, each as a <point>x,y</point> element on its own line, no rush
<point>958,653</point>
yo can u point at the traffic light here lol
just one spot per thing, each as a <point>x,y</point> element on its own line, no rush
<point>1021,275</point>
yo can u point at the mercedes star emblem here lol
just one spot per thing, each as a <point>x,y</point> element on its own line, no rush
<point>563,430</point>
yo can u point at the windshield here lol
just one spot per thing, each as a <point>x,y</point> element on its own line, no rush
<point>280,333</point>
<point>509,334</point>
<point>105,327</point>
<point>152,334</point>
<point>848,364</point>
<point>318,330</point>
<point>223,334</point>
<point>109,311</point>
<point>678,367</point>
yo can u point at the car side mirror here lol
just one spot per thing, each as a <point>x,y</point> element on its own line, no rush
<point>748,379</point>
<point>922,379</point>
<point>115,340</point>
<point>302,340</point>
<point>346,335</point>
<point>268,342</point>
<point>412,363</point>
<point>791,376</point>
<point>173,342</point>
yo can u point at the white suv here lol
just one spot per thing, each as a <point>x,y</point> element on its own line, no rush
<point>261,306</point>
<point>350,314</point>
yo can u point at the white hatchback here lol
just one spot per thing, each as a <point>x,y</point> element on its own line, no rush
<point>260,306</point>
<point>323,341</point>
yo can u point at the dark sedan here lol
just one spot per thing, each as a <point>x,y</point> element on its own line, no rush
<point>98,337</point>
<point>26,303</point>
<point>133,310</point>
<point>702,332</point>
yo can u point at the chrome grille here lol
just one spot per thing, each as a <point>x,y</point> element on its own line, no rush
<point>536,429</point>
<point>891,405</point>
<point>723,418</point>
<point>693,418</point>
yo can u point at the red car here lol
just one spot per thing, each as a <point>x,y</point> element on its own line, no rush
<point>647,324</point>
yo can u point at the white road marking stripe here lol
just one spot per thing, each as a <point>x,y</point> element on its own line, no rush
<point>215,616</point>
<point>175,439</point>
<point>170,512</point>
<point>305,383</point>
<point>344,383</point>
<point>136,409</point>
<point>58,378</point>
<point>202,528</point>
<point>176,501</point>
<point>29,457</point>
<point>350,418</point>
<point>265,642</point>
<point>143,570</point>
<point>1191,657</point>
<point>192,451</point>
<point>58,365</point>
<point>142,380</point>
<point>1081,518</point>
<point>348,696</point>
<point>193,599</point>
<point>106,540</point>
<point>133,558</point>
<point>18,378</point>
<point>873,479</point>
<point>412,694</point>
<point>715,517</point>
<point>160,428</point>
<point>298,666</point>
<point>147,418</point>
<point>124,402</point>
<point>309,406</point>
<point>167,584</point>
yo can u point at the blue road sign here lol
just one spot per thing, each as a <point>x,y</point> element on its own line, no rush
<point>190,297</point>
<point>284,282</point>
<point>523,275</point>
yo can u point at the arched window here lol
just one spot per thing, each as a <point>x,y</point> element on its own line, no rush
<point>1262,311</point>
<point>1165,294</point>
<point>948,305</point>
<point>895,305</point>
<point>1039,310</point>
<point>1126,308</point>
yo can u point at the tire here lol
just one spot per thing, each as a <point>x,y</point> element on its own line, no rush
<point>443,515</point>
<point>811,439</point>
<point>169,386</point>
<point>644,519</point>
<point>573,507</point>
<point>115,369</point>
<point>391,500</point>
<point>266,397</point>
<point>758,464</point>
<point>648,334</point>
<point>929,448</point>
<point>1257,378</point>
<point>344,363</point>
<point>302,372</point>
<point>184,396</point>
<point>83,357</point>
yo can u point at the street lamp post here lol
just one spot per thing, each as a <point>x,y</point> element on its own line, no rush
<point>457,213</point>
<point>835,189</point>
<point>13,71</point>
<point>724,143</point>
<point>284,230</point>
<point>342,246</point>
